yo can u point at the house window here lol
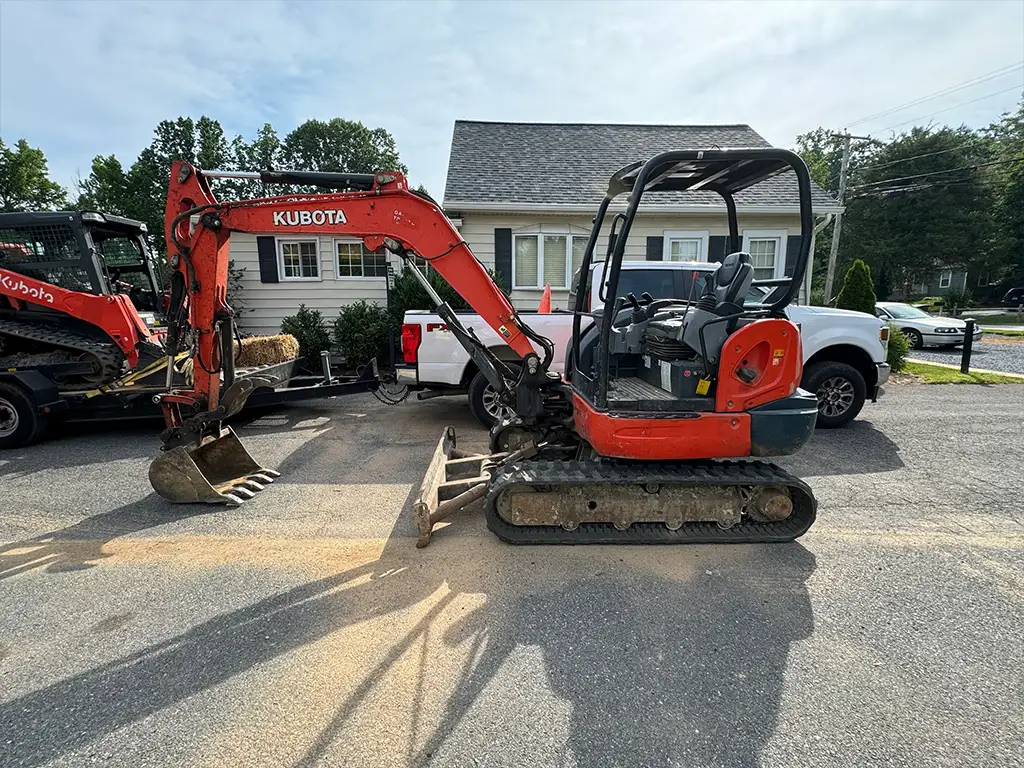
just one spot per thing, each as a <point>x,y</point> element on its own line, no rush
<point>540,260</point>
<point>356,260</point>
<point>983,279</point>
<point>299,259</point>
<point>685,245</point>
<point>767,254</point>
<point>945,278</point>
<point>421,264</point>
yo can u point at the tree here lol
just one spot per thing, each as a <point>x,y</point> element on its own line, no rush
<point>883,287</point>
<point>857,292</point>
<point>1007,147</point>
<point>140,192</point>
<point>920,205</point>
<point>341,146</point>
<point>24,181</point>
<point>822,151</point>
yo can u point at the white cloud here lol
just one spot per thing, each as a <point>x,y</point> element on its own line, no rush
<point>103,75</point>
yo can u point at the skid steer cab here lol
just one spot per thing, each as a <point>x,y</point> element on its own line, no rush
<point>649,435</point>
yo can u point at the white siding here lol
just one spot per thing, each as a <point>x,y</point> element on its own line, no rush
<point>478,230</point>
<point>266,304</point>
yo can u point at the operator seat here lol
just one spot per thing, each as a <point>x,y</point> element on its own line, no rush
<point>725,297</point>
<point>733,279</point>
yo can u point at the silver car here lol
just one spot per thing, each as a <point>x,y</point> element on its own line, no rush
<point>922,329</point>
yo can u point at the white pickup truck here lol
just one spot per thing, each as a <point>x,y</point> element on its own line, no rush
<point>844,351</point>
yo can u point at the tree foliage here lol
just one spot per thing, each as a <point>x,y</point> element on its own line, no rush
<point>140,191</point>
<point>927,200</point>
<point>24,182</point>
<point>858,292</point>
<point>407,293</point>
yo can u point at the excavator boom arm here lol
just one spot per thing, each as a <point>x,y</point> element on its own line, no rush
<point>383,214</point>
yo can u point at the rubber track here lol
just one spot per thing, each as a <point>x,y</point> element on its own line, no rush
<point>109,355</point>
<point>718,473</point>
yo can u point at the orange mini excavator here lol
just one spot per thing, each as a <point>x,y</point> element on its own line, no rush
<point>646,439</point>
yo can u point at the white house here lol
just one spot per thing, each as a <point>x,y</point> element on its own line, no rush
<point>523,196</point>
<point>526,194</point>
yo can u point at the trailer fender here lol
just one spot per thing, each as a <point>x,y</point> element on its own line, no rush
<point>41,389</point>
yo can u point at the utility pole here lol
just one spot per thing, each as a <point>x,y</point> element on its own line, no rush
<point>834,250</point>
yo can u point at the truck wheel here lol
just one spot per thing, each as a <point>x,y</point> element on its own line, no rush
<point>20,422</point>
<point>483,401</point>
<point>840,389</point>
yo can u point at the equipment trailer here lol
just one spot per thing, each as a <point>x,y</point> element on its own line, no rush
<point>32,397</point>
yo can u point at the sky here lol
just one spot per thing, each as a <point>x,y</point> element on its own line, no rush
<point>80,78</point>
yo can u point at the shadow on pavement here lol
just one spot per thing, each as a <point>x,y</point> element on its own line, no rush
<point>856,449</point>
<point>665,655</point>
<point>80,546</point>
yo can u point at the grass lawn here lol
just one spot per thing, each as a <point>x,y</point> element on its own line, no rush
<point>1003,332</point>
<point>1007,318</point>
<point>936,374</point>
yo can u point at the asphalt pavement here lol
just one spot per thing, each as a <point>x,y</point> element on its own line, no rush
<point>305,628</point>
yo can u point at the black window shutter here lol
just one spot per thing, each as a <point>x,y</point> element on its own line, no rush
<point>792,248</point>
<point>716,248</point>
<point>503,256</point>
<point>266,247</point>
<point>655,248</point>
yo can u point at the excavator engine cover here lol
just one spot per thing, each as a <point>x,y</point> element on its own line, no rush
<point>218,471</point>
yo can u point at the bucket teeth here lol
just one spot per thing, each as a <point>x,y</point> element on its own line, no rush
<point>242,490</point>
<point>264,476</point>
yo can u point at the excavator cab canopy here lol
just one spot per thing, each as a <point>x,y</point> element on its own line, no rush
<point>726,172</point>
<point>86,251</point>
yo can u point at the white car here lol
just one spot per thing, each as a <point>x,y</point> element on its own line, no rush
<point>922,329</point>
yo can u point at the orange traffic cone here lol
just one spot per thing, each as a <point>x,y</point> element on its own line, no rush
<point>545,301</point>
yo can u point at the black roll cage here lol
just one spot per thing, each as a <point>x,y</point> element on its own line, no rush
<point>724,171</point>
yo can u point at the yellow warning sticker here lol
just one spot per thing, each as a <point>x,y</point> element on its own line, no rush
<point>779,353</point>
<point>703,385</point>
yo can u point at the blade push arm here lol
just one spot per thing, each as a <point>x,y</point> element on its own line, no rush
<point>385,214</point>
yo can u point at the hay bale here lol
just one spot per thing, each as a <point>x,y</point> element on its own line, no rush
<point>266,350</point>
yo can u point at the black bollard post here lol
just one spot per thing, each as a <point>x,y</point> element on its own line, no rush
<point>965,360</point>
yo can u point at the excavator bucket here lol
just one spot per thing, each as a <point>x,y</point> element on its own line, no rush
<point>219,471</point>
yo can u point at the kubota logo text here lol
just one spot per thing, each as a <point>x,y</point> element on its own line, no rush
<point>20,286</point>
<point>305,218</point>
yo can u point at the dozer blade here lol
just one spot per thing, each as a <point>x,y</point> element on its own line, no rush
<point>219,471</point>
<point>455,479</point>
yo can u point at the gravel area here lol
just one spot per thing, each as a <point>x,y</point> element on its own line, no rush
<point>988,353</point>
<point>305,628</point>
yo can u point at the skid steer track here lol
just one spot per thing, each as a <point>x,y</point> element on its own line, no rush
<point>593,485</point>
<point>106,357</point>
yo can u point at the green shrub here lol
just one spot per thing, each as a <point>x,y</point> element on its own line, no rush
<point>361,332</point>
<point>957,299</point>
<point>407,293</point>
<point>899,345</point>
<point>858,292</point>
<point>307,326</point>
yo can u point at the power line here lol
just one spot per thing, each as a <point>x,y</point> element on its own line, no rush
<point>944,92</point>
<point>947,109</point>
<point>968,143</point>
<point>937,173</point>
<point>875,166</point>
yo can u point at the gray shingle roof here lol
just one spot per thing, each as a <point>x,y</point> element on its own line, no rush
<point>570,164</point>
